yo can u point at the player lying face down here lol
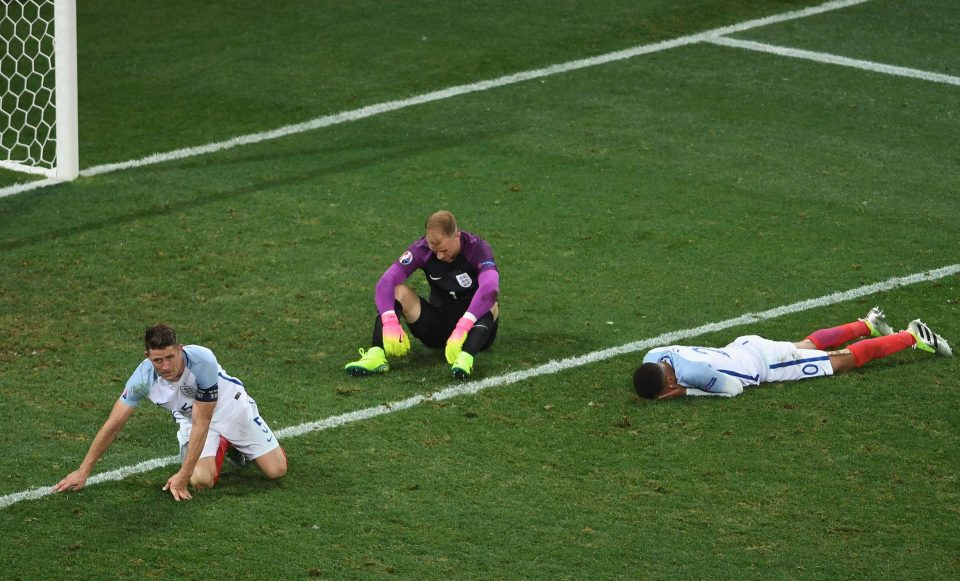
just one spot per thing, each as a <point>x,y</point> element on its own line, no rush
<point>675,371</point>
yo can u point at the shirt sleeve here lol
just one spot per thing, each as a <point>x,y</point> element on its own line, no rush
<point>480,256</point>
<point>699,376</point>
<point>398,272</point>
<point>203,363</point>
<point>656,356</point>
<point>702,379</point>
<point>138,386</point>
<point>488,289</point>
<point>384,295</point>
<point>694,392</point>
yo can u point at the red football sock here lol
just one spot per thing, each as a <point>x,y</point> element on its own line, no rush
<point>835,336</point>
<point>221,452</point>
<point>870,349</point>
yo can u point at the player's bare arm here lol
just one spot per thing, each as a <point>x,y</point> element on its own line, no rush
<point>77,479</point>
<point>178,483</point>
<point>671,388</point>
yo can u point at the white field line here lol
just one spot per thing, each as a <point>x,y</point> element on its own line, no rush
<point>548,368</point>
<point>822,57</point>
<point>372,110</point>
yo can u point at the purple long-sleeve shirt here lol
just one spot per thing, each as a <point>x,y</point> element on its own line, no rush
<point>471,283</point>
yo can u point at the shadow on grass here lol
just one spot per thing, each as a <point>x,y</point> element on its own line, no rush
<point>365,154</point>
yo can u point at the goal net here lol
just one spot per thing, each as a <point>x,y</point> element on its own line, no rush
<point>38,87</point>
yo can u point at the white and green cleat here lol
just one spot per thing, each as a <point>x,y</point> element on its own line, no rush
<point>927,340</point>
<point>371,361</point>
<point>877,323</point>
<point>463,366</point>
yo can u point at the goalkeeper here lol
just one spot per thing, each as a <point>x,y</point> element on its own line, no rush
<point>461,315</point>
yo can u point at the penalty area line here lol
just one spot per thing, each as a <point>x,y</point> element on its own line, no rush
<point>439,95</point>
<point>548,368</point>
<point>833,59</point>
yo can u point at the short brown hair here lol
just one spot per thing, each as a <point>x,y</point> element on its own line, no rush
<point>159,336</point>
<point>442,221</point>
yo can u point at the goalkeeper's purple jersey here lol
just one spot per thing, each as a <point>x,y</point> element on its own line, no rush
<point>452,284</point>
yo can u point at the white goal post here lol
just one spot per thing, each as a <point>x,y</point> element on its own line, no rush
<point>38,87</point>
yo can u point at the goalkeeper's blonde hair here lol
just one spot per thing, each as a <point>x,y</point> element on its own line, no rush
<point>442,221</point>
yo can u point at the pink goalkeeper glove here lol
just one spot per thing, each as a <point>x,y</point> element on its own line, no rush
<point>456,339</point>
<point>395,341</point>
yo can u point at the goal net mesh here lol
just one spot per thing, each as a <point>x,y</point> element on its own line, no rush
<point>27,84</point>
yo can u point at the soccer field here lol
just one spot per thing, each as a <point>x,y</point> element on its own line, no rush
<point>646,172</point>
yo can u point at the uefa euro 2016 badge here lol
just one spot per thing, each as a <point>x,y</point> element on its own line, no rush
<point>464,280</point>
<point>406,257</point>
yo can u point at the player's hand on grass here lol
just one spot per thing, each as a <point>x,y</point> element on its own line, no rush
<point>395,341</point>
<point>76,480</point>
<point>177,485</point>
<point>456,339</point>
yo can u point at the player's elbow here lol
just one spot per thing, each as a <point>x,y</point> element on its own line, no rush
<point>390,279</point>
<point>734,390</point>
<point>731,387</point>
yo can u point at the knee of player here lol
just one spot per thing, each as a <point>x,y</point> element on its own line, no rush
<point>403,294</point>
<point>276,468</point>
<point>275,472</point>
<point>278,472</point>
<point>202,480</point>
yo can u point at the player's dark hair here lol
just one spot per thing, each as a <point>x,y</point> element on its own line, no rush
<point>442,221</point>
<point>159,336</point>
<point>649,380</point>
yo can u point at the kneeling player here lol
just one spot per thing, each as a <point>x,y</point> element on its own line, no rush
<point>213,411</point>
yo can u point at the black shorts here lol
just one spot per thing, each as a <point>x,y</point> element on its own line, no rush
<point>434,326</point>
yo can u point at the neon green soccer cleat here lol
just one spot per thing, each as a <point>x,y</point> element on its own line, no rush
<point>877,323</point>
<point>927,340</point>
<point>371,361</point>
<point>463,366</point>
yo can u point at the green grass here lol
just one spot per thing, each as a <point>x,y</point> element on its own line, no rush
<point>624,201</point>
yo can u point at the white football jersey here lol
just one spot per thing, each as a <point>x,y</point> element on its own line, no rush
<point>748,360</point>
<point>202,376</point>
